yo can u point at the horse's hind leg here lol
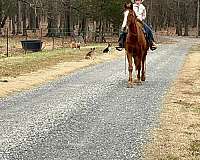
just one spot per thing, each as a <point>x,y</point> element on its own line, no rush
<point>137,62</point>
<point>143,78</point>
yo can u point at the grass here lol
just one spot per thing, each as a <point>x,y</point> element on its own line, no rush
<point>197,109</point>
<point>30,62</point>
<point>195,148</point>
<point>180,116</point>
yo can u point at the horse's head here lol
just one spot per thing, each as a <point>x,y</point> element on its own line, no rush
<point>129,14</point>
<point>128,6</point>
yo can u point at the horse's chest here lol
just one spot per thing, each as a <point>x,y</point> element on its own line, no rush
<point>131,39</point>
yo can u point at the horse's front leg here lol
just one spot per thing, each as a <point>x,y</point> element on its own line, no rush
<point>143,78</point>
<point>130,69</point>
<point>138,74</point>
<point>137,62</point>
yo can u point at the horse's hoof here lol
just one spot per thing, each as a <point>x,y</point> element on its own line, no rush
<point>137,82</point>
<point>130,85</point>
<point>143,79</point>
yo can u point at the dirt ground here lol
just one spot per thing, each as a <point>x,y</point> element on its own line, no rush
<point>178,136</point>
<point>29,80</point>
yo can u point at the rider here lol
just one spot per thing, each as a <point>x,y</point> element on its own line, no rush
<point>140,11</point>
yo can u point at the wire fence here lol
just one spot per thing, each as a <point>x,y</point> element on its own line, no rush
<point>51,39</point>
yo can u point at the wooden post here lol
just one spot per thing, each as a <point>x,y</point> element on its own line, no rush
<point>26,39</point>
<point>53,42</point>
<point>41,33</point>
<point>63,41</point>
<point>7,42</point>
<point>26,34</point>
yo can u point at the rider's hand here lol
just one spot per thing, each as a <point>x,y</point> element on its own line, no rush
<point>123,29</point>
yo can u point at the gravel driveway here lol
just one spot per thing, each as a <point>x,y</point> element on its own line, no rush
<point>90,114</point>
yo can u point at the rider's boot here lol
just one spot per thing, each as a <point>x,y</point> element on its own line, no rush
<point>153,46</point>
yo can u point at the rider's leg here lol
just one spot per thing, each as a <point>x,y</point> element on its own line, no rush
<point>122,39</point>
<point>150,36</point>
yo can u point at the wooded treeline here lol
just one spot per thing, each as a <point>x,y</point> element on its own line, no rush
<point>105,15</point>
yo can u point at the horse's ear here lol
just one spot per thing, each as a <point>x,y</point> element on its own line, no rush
<point>125,6</point>
<point>131,6</point>
<point>128,5</point>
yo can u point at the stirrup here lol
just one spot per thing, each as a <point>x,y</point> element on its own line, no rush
<point>119,48</point>
<point>153,48</point>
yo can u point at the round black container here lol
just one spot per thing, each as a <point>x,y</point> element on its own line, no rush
<point>34,45</point>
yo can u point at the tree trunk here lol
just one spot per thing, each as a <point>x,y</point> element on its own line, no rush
<point>83,27</point>
<point>24,20</point>
<point>186,21</point>
<point>13,25</point>
<point>31,19</point>
<point>19,18</point>
<point>67,21</point>
<point>52,19</point>
<point>198,10</point>
<point>178,24</point>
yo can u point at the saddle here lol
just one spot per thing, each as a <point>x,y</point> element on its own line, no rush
<point>141,25</point>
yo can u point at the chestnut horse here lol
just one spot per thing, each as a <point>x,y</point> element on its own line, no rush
<point>136,45</point>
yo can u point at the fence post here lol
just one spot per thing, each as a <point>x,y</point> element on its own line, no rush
<point>53,42</point>
<point>7,42</point>
<point>26,39</point>
<point>41,33</point>
<point>26,34</point>
<point>63,41</point>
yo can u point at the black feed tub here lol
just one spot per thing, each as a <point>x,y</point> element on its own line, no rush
<point>32,45</point>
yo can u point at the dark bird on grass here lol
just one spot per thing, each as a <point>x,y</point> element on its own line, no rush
<point>107,49</point>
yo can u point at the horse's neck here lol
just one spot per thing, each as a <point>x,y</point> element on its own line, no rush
<point>133,27</point>
<point>132,19</point>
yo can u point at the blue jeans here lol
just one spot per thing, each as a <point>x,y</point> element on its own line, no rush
<point>149,33</point>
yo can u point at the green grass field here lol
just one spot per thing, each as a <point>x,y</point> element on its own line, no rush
<point>33,61</point>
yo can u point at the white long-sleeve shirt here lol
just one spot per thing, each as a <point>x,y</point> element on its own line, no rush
<point>140,11</point>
